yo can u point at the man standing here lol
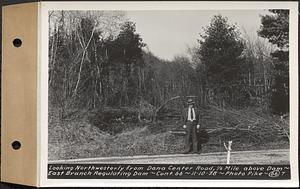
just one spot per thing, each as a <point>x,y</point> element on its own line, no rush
<point>191,120</point>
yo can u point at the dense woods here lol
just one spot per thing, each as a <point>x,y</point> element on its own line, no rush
<point>94,64</point>
<point>275,28</point>
<point>99,65</point>
<point>88,70</point>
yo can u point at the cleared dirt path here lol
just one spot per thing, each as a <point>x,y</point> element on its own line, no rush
<point>280,156</point>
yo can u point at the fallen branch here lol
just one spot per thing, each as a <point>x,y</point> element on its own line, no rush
<point>171,99</point>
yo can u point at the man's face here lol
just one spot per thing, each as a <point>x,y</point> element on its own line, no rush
<point>191,105</point>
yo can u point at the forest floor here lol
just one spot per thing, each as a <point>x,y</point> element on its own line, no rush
<point>79,138</point>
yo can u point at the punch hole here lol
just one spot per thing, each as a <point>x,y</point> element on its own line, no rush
<point>17,42</point>
<point>16,145</point>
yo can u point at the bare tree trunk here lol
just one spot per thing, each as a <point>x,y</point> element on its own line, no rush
<point>51,67</point>
<point>81,63</point>
<point>140,94</point>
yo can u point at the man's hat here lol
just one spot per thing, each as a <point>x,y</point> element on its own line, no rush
<point>190,101</point>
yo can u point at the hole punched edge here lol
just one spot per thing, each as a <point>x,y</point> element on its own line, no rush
<point>17,42</point>
<point>16,145</point>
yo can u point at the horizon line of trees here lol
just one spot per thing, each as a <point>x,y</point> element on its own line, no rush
<point>97,59</point>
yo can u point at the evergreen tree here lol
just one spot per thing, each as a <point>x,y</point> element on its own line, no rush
<point>126,55</point>
<point>220,52</point>
<point>275,27</point>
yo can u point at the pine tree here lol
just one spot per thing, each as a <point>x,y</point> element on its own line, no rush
<point>220,50</point>
<point>220,53</point>
<point>275,27</point>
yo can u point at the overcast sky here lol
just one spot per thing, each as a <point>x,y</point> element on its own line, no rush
<point>167,33</point>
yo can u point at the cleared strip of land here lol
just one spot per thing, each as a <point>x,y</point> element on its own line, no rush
<point>280,156</point>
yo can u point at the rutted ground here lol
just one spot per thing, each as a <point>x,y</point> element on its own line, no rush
<point>280,156</point>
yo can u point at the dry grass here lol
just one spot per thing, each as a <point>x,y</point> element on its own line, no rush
<point>79,139</point>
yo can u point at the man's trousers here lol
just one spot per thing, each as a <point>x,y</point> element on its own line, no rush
<point>191,141</point>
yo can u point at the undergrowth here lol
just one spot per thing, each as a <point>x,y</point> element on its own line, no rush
<point>79,138</point>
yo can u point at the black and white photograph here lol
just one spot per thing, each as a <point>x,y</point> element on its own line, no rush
<point>172,87</point>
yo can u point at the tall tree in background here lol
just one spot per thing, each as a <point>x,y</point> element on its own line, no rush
<point>275,27</point>
<point>220,51</point>
<point>78,58</point>
<point>126,56</point>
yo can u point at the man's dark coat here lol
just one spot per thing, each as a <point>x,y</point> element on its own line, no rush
<point>194,137</point>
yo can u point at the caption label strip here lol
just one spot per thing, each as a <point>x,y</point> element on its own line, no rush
<point>167,171</point>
